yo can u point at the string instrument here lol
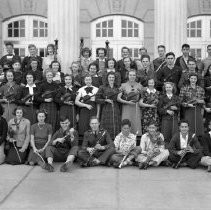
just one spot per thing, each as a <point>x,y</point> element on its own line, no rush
<point>171,103</point>
<point>111,95</point>
<point>67,97</point>
<point>69,134</point>
<point>10,97</point>
<point>132,96</point>
<point>152,99</point>
<point>186,151</point>
<point>194,101</point>
<point>76,83</point>
<point>49,93</point>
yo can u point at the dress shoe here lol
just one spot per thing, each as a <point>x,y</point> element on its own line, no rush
<point>65,166</point>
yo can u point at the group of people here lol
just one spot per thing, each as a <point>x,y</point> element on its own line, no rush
<point>101,108</point>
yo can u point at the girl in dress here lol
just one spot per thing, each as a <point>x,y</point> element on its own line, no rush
<point>129,97</point>
<point>148,102</point>
<point>107,97</point>
<point>18,138</point>
<point>88,107</point>
<point>41,133</point>
<point>58,76</point>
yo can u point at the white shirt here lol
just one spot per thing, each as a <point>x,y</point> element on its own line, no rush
<point>151,91</point>
<point>183,141</point>
<point>31,90</point>
<point>169,95</point>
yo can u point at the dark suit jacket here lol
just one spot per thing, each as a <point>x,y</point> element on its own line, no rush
<point>90,140</point>
<point>174,145</point>
<point>180,62</point>
<point>206,144</point>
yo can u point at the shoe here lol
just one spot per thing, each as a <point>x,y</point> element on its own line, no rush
<point>84,165</point>
<point>140,165</point>
<point>209,168</point>
<point>146,165</point>
<point>48,167</point>
<point>95,162</point>
<point>65,166</point>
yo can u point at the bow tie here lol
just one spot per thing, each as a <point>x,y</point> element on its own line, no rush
<point>88,90</point>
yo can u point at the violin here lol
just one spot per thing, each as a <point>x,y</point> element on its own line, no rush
<point>66,97</point>
<point>132,96</point>
<point>10,97</point>
<point>86,98</point>
<point>49,93</point>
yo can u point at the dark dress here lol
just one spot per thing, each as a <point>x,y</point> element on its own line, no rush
<point>110,115</point>
<point>29,110</point>
<point>169,124</point>
<point>67,94</point>
<point>84,113</point>
<point>51,107</point>
<point>149,115</point>
<point>207,83</point>
<point>27,62</point>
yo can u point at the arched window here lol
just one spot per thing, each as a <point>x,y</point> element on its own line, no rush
<point>24,30</point>
<point>199,34</point>
<point>120,31</point>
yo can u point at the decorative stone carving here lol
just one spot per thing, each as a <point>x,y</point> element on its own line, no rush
<point>117,6</point>
<point>28,5</point>
<point>205,6</point>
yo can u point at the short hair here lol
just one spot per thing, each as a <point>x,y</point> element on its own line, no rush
<point>183,121</point>
<point>34,59</point>
<point>1,110</point>
<point>145,56</point>
<point>93,64</point>
<point>174,90</point>
<point>63,118</point>
<point>110,59</point>
<point>43,111</point>
<point>193,75</point>
<point>170,53</point>
<point>125,48</point>
<point>101,48</point>
<point>126,122</point>
<point>55,62</point>
<point>185,46</point>
<point>9,71</point>
<point>9,44</point>
<point>209,45</point>
<point>16,61</point>
<point>190,59</point>
<point>161,46</point>
<point>19,108</point>
<point>31,45</point>
<point>143,48</point>
<point>93,118</point>
<point>86,49</point>
<point>30,73</point>
<point>111,73</point>
<point>52,46</point>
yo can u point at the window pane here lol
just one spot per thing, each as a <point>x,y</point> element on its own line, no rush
<point>16,33</point>
<point>110,32</point>
<point>111,53</point>
<point>22,32</point>
<point>135,32</point>
<point>104,33</point>
<point>131,50</point>
<point>193,24</point>
<point>130,32</point>
<point>41,32</point>
<point>130,24</point>
<point>104,24</point>
<point>124,33</point>
<point>188,25</point>
<point>16,51</point>
<point>22,52</point>
<point>192,52</point>
<point>198,33</point>
<point>16,24</point>
<point>35,23</point>
<point>188,33</point>
<point>135,25</point>
<point>35,33</point>
<point>46,25</point>
<point>123,23</point>
<point>199,24</point>
<point>10,25</point>
<point>198,51</point>
<point>9,32</point>
<point>136,53</point>
<point>41,24</point>
<point>46,32</point>
<point>98,34</point>
<point>22,23</point>
<point>193,33</point>
<point>110,23</point>
<point>98,25</point>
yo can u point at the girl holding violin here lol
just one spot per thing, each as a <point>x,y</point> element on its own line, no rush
<point>46,97</point>
<point>66,99</point>
<point>88,107</point>
<point>27,98</point>
<point>129,97</point>
<point>168,108</point>
<point>8,94</point>
<point>148,102</point>
<point>192,98</point>
<point>110,115</point>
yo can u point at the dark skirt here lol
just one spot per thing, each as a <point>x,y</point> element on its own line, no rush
<point>110,119</point>
<point>195,119</point>
<point>13,158</point>
<point>52,114</point>
<point>69,112</point>
<point>169,126</point>
<point>84,118</point>
<point>30,113</point>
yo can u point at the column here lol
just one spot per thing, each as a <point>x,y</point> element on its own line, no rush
<point>63,24</point>
<point>170,24</point>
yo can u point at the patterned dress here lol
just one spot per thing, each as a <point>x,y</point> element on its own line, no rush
<point>110,115</point>
<point>193,114</point>
<point>149,115</point>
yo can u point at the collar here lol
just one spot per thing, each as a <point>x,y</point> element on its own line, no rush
<point>70,88</point>
<point>31,86</point>
<point>110,70</point>
<point>169,95</point>
<point>181,137</point>
<point>12,84</point>
<point>102,60</point>
<point>151,91</point>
